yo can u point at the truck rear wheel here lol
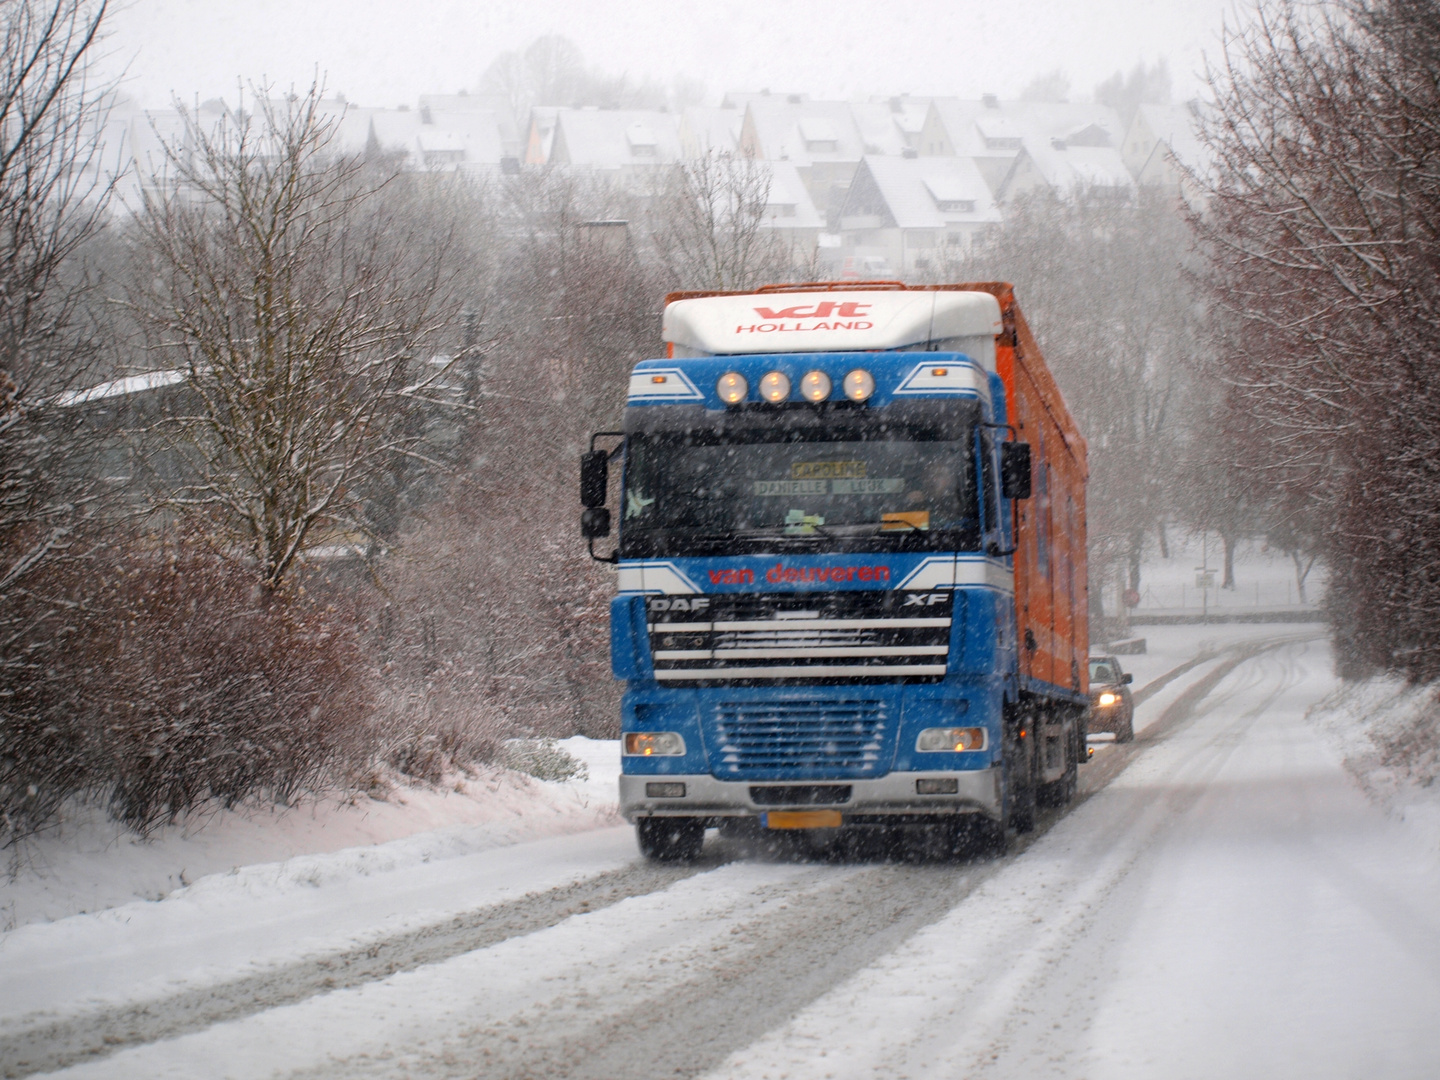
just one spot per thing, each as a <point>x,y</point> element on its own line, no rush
<point>1019,772</point>
<point>1060,792</point>
<point>1020,791</point>
<point>669,839</point>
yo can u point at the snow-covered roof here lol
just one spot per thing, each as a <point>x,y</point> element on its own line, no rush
<point>704,129</point>
<point>1067,168</point>
<point>977,129</point>
<point>131,384</point>
<point>1176,128</point>
<point>879,127</point>
<point>832,321</point>
<point>432,138</point>
<point>908,115</point>
<point>614,138</point>
<point>804,132</point>
<point>920,193</point>
<point>395,129</point>
<point>789,205</point>
<point>540,135</point>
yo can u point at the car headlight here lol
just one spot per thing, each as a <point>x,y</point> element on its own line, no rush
<point>939,740</point>
<point>1108,699</point>
<point>654,743</point>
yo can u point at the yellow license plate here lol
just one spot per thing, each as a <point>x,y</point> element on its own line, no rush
<point>803,819</point>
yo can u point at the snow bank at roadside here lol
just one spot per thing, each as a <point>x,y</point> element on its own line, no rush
<point>1388,733</point>
<point>90,864</point>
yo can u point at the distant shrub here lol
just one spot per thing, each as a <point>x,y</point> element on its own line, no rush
<point>180,681</point>
<point>543,759</point>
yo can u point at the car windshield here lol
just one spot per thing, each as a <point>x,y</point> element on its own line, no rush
<point>763,485</point>
<point>1102,671</point>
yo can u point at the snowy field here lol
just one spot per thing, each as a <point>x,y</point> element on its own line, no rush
<point>1264,579</point>
<point>1224,900</point>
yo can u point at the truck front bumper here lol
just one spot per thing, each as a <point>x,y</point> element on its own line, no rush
<point>979,791</point>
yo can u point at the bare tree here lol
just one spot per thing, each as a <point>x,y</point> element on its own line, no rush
<point>52,201</point>
<point>551,70</point>
<point>1142,86</point>
<point>1323,223</point>
<point>53,195</point>
<point>1053,87</point>
<point>302,306</point>
<point>708,223</point>
<point>1105,285</point>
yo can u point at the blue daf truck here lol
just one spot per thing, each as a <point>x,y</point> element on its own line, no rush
<point>849,529</point>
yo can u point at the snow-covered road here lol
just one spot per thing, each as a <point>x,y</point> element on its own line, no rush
<point>1227,904</point>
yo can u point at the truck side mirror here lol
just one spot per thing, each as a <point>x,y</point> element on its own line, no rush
<point>1127,678</point>
<point>594,479</point>
<point>1015,470</point>
<point>594,522</point>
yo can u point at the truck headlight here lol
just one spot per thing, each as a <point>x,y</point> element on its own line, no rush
<point>654,743</point>
<point>815,386</point>
<point>859,385</point>
<point>939,740</point>
<point>1108,699</point>
<point>732,388</point>
<point>775,387</point>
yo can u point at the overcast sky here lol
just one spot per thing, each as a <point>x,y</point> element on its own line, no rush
<point>384,52</point>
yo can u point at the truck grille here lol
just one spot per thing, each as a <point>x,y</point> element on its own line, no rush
<point>836,637</point>
<point>840,738</point>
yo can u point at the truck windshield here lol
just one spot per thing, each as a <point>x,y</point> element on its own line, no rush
<point>876,487</point>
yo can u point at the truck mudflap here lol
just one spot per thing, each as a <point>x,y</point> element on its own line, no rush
<point>909,794</point>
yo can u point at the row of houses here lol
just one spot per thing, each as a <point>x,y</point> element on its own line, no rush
<point>895,183</point>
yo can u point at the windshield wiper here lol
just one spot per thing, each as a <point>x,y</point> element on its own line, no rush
<point>769,532</point>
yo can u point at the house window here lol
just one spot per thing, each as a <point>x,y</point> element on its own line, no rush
<point>956,206</point>
<point>821,146</point>
<point>781,209</point>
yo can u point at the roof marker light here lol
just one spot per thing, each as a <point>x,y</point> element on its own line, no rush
<point>939,372</point>
<point>815,386</point>
<point>775,387</point>
<point>732,388</point>
<point>657,378</point>
<point>859,385</point>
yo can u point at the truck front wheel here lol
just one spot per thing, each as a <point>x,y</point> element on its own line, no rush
<point>669,839</point>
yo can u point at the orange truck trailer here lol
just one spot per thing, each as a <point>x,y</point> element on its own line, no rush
<point>851,562</point>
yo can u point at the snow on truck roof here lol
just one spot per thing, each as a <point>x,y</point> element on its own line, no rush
<point>856,320</point>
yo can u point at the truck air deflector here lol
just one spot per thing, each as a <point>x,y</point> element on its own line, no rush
<point>838,321</point>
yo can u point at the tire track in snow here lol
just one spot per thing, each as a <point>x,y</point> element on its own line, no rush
<point>676,1012</point>
<point>87,1036</point>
